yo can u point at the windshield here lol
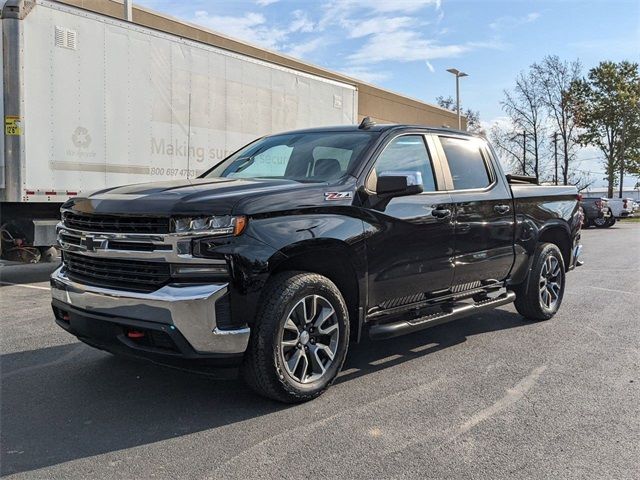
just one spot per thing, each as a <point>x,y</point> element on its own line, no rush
<point>310,157</point>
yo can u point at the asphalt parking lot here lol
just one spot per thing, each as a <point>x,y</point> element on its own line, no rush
<point>489,396</point>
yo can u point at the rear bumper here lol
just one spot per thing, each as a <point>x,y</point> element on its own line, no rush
<point>180,319</point>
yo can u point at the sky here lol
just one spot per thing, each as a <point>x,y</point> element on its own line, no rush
<point>407,45</point>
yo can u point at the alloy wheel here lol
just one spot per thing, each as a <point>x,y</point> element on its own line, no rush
<point>309,339</point>
<point>550,282</point>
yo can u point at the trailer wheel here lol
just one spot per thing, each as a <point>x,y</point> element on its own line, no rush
<point>299,340</point>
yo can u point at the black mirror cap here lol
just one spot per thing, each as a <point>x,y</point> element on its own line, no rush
<point>396,186</point>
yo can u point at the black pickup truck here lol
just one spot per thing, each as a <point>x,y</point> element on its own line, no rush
<point>299,243</point>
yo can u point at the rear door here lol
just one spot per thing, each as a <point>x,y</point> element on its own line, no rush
<point>484,217</point>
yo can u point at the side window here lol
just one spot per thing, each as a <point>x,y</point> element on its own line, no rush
<point>466,163</point>
<point>407,153</point>
<point>272,162</point>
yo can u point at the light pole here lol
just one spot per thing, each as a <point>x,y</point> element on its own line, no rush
<point>458,74</point>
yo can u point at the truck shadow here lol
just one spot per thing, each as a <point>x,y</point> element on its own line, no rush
<point>70,402</point>
<point>368,356</point>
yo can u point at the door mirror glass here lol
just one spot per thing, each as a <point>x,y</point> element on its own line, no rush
<point>399,184</point>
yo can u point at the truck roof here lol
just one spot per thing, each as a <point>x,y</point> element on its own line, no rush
<point>382,127</point>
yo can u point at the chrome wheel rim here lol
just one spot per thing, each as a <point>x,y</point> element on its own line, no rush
<point>309,339</point>
<point>550,283</point>
<point>600,221</point>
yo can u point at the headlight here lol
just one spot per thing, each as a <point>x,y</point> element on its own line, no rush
<point>214,225</point>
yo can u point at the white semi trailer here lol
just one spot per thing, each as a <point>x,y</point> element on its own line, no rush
<point>90,101</point>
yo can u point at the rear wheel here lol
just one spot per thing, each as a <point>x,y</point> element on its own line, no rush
<point>540,296</point>
<point>300,338</point>
<point>605,222</point>
<point>612,219</point>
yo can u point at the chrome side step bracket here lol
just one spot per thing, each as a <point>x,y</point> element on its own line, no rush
<point>402,327</point>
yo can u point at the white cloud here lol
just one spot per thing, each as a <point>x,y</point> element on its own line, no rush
<point>403,46</point>
<point>408,6</point>
<point>510,22</point>
<point>391,31</point>
<point>358,29</point>
<point>502,122</point>
<point>254,28</point>
<point>301,22</point>
<point>373,33</point>
<point>336,11</point>
<point>300,50</point>
<point>250,27</point>
<point>265,3</point>
<point>365,74</point>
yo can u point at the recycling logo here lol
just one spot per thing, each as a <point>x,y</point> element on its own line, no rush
<point>81,137</point>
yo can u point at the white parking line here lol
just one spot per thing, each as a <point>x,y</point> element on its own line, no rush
<point>612,290</point>
<point>25,285</point>
<point>609,270</point>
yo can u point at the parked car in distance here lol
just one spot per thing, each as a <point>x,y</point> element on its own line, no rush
<point>596,212</point>
<point>285,252</point>
<point>621,207</point>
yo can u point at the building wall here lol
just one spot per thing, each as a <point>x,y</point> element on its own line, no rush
<point>382,105</point>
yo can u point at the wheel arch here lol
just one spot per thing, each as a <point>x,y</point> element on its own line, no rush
<point>560,236</point>
<point>340,263</point>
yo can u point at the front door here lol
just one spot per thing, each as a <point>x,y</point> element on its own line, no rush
<point>411,245</point>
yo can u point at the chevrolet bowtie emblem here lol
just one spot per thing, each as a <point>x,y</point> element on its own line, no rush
<point>88,242</point>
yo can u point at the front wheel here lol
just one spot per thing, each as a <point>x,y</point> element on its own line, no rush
<point>299,340</point>
<point>540,296</point>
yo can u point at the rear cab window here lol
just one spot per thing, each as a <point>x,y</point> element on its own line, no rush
<point>467,164</point>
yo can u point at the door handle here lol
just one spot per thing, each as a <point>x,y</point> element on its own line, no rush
<point>502,209</point>
<point>441,213</point>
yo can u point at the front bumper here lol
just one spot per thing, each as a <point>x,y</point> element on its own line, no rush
<point>185,313</point>
<point>576,261</point>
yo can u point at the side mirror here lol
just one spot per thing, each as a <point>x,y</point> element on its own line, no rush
<point>399,184</point>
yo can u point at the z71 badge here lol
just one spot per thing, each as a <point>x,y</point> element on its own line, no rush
<point>338,195</point>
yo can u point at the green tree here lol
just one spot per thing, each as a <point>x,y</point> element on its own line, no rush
<point>607,108</point>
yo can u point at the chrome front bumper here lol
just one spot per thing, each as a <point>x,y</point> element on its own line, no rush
<point>188,308</point>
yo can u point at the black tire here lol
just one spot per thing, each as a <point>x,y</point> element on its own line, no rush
<point>604,222</point>
<point>612,220</point>
<point>263,366</point>
<point>529,299</point>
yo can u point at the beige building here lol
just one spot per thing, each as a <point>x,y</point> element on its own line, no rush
<point>382,105</point>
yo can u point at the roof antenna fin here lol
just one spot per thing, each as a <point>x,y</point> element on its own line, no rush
<point>366,123</point>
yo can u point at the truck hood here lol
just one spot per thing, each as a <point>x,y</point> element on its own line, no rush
<point>220,196</point>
